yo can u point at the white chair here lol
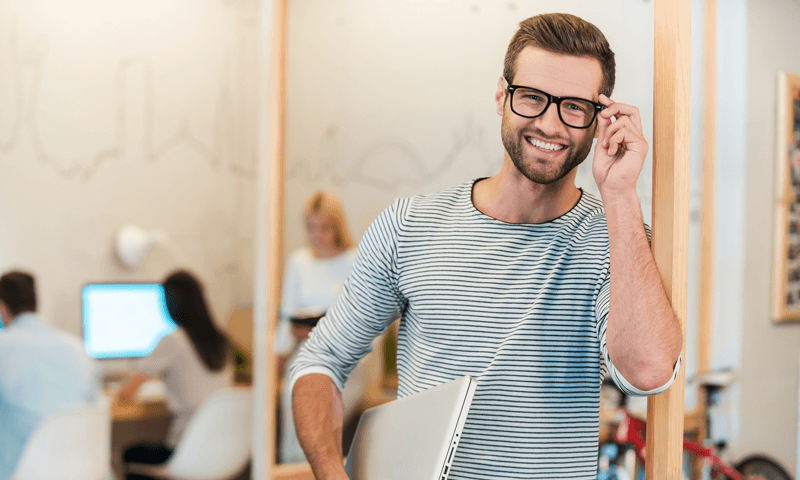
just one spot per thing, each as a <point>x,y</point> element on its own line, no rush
<point>216,444</point>
<point>70,444</point>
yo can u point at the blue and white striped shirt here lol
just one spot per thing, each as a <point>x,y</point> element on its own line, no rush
<point>522,308</point>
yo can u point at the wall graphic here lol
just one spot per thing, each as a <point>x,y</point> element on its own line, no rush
<point>118,112</point>
<point>219,149</point>
<point>375,165</point>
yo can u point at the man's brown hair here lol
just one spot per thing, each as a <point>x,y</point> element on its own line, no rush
<point>564,34</point>
<point>18,292</point>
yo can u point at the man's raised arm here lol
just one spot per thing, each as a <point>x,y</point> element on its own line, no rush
<point>644,337</point>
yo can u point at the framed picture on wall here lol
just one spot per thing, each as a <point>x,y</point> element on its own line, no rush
<point>786,264</point>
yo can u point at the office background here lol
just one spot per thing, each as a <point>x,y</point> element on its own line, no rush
<point>115,112</point>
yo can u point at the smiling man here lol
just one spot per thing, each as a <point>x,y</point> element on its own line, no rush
<point>522,280</point>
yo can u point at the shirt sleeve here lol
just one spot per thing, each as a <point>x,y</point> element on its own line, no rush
<point>601,312</point>
<point>160,359</point>
<point>369,302</point>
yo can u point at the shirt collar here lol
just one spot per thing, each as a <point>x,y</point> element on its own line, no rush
<point>26,319</point>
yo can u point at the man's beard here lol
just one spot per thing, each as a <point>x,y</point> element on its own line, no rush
<point>513,140</point>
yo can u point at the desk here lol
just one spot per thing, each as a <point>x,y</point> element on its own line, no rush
<point>136,423</point>
<point>149,403</point>
<point>121,412</point>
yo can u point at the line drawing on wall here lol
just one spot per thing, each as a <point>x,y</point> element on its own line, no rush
<point>223,151</point>
<point>390,163</point>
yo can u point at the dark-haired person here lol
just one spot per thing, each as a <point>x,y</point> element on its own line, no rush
<point>524,281</point>
<point>42,369</point>
<point>193,361</point>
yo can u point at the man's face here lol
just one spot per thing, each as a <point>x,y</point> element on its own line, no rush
<point>543,148</point>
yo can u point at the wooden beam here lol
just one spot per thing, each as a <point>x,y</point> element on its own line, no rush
<point>709,171</point>
<point>277,169</point>
<point>704,318</point>
<point>670,216</point>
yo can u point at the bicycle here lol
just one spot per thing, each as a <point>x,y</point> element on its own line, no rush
<point>629,435</point>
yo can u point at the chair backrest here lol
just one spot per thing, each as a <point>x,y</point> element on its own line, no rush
<point>70,444</point>
<point>218,440</point>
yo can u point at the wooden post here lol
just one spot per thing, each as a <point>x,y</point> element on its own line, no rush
<point>709,169</point>
<point>277,168</point>
<point>670,216</point>
<point>707,210</point>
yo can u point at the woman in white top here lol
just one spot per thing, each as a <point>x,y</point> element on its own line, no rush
<point>315,275</point>
<point>193,361</point>
<point>313,279</point>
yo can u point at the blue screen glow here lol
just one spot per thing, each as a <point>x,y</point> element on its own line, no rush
<point>123,320</point>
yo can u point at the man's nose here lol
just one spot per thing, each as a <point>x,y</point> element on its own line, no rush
<point>549,121</point>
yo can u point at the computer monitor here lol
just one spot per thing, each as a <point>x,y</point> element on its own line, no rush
<point>124,320</point>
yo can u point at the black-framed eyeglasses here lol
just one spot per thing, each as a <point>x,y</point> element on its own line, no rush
<point>573,111</point>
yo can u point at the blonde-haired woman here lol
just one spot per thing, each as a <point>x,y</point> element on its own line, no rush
<point>313,278</point>
<point>314,275</point>
<point>326,225</point>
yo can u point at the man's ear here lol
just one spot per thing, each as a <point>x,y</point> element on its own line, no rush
<point>500,96</point>
<point>5,318</point>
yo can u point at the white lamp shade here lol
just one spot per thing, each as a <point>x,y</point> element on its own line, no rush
<point>132,244</point>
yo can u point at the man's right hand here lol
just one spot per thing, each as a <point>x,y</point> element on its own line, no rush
<point>318,419</point>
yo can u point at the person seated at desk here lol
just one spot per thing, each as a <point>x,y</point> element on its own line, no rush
<point>193,361</point>
<point>42,369</point>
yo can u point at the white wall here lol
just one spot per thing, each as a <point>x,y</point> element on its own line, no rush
<point>121,112</point>
<point>769,378</point>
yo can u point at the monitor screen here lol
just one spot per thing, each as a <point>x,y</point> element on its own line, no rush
<point>124,320</point>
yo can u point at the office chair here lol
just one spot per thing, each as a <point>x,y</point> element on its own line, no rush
<point>216,444</point>
<point>70,444</point>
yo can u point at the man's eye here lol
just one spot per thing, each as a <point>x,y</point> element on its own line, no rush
<point>577,106</point>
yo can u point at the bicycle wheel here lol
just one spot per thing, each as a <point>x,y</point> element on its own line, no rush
<point>759,467</point>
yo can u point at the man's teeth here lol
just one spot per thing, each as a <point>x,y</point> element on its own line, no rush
<point>544,145</point>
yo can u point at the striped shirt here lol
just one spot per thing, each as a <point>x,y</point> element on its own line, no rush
<point>522,308</point>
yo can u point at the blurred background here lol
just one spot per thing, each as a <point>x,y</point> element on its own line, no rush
<point>147,114</point>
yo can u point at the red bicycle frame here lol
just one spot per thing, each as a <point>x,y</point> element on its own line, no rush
<point>631,431</point>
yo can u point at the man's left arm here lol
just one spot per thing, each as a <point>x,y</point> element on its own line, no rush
<point>643,336</point>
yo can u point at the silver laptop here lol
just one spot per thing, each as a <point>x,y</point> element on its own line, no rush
<point>414,437</point>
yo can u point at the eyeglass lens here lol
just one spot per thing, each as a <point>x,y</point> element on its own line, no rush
<point>575,112</point>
